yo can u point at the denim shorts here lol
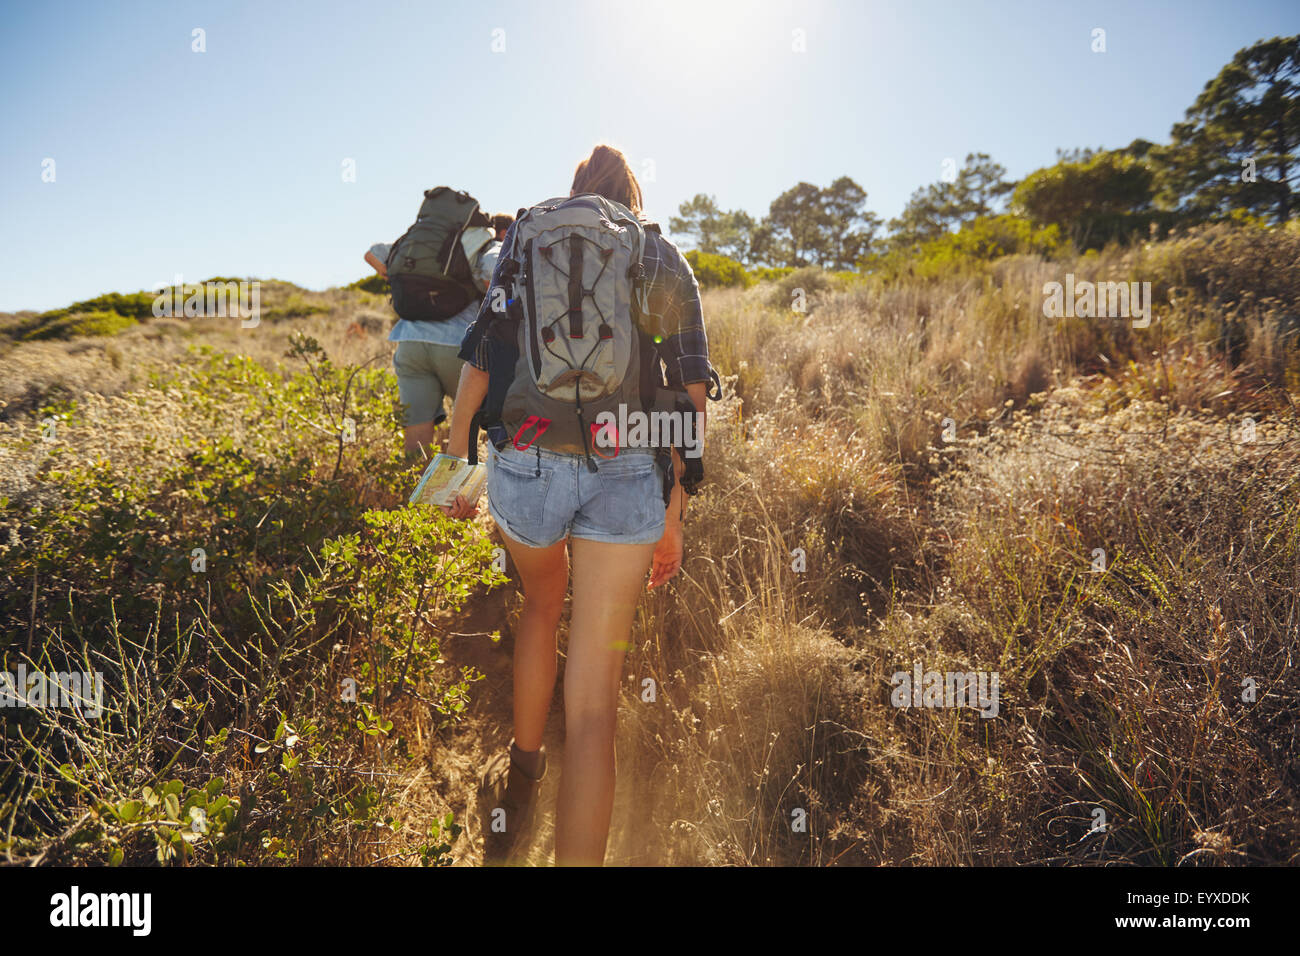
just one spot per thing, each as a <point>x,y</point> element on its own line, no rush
<point>539,497</point>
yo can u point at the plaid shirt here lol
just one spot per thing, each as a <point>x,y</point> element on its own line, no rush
<point>673,295</point>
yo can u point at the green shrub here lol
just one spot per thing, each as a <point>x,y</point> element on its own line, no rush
<point>978,242</point>
<point>1104,199</point>
<point>81,324</point>
<point>771,273</point>
<point>714,271</point>
<point>256,682</point>
<point>985,239</point>
<point>137,305</point>
<point>376,284</point>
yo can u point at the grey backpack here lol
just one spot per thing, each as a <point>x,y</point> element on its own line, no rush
<point>580,342</point>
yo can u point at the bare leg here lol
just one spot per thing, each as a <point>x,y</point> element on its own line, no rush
<point>545,576</point>
<point>608,580</point>
<point>441,434</point>
<point>418,436</point>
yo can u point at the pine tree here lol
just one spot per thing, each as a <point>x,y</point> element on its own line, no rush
<point>1239,146</point>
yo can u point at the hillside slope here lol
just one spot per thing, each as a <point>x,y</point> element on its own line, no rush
<point>911,477</point>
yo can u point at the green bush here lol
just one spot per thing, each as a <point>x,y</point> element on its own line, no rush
<point>1106,198</point>
<point>103,315</point>
<point>714,271</point>
<point>977,243</point>
<point>255,504</point>
<point>79,324</point>
<point>375,283</point>
<point>985,239</point>
<point>137,305</point>
<point>255,682</point>
<point>771,273</point>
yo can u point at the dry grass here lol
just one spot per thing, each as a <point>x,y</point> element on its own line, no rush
<point>1120,691</point>
<point>756,724</point>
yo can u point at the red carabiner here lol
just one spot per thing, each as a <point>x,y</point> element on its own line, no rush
<point>541,423</point>
<point>596,429</point>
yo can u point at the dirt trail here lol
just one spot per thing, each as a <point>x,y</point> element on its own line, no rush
<point>456,757</point>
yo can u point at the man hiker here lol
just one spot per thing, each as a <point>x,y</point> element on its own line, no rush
<point>425,361</point>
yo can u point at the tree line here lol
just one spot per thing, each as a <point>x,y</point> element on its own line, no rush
<point>1235,155</point>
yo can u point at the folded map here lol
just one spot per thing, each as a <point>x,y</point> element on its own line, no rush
<point>446,477</point>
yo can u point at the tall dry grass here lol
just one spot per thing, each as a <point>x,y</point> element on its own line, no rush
<point>922,471</point>
<point>1121,691</point>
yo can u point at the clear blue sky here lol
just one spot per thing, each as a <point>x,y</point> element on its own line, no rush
<point>229,162</point>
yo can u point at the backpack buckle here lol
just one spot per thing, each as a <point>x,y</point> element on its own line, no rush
<point>497,435</point>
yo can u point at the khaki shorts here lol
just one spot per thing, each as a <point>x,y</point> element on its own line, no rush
<point>425,373</point>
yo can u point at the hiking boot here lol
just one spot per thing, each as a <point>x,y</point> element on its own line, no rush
<point>505,787</point>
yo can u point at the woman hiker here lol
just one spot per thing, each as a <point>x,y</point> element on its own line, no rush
<point>609,527</point>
